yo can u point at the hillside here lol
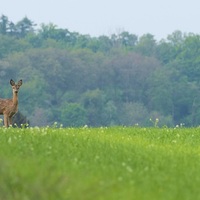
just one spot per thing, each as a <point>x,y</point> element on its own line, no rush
<point>121,79</point>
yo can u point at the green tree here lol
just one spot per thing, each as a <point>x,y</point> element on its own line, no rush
<point>12,29</point>
<point>188,60</point>
<point>165,52</point>
<point>176,38</point>
<point>160,92</point>
<point>93,102</point>
<point>109,114</point>
<point>24,27</point>
<point>127,39</point>
<point>146,45</point>
<point>131,114</point>
<point>3,24</point>
<point>73,114</point>
<point>183,97</point>
<point>105,44</point>
<point>50,31</point>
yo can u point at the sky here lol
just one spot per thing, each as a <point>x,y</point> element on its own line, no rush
<point>106,17</point>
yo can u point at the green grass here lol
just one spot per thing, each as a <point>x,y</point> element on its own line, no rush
<point>99,163</point>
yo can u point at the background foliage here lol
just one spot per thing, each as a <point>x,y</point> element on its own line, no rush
<point>120,79</point>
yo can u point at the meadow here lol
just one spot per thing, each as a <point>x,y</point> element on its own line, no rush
<point>112,163</point>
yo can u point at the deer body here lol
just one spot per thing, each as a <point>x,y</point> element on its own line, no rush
<point>8,107</point>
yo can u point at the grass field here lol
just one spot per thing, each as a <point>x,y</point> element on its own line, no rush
<point>99,163</point>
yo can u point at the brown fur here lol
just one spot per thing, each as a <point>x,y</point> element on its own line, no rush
<point>8,107</point>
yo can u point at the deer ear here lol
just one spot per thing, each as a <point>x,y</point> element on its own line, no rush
<point>12,82</point>
<point>19,83</point>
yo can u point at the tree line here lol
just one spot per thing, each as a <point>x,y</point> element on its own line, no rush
<point>121,79</point>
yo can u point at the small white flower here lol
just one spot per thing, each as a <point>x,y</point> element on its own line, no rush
<point>86,126</point>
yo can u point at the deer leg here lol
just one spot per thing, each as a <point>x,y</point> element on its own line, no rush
<point>9,121</point>
<point>5,120</point>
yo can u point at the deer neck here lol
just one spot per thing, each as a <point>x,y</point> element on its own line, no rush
<point>15,98</point>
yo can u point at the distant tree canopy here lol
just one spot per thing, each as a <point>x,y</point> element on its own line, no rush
<point>121,79</point>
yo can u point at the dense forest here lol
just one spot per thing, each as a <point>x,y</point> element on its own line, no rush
<point>121,79</point>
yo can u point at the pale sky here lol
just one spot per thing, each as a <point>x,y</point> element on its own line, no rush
<point>105,17</point>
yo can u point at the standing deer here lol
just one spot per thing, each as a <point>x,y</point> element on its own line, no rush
<point>8,107</point>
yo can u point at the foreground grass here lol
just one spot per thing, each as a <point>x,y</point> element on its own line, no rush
<point>99,163</point>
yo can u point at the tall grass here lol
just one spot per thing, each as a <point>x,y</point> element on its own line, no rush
<point>99,163</point>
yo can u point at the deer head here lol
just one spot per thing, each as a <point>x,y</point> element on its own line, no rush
<point>15,87</point>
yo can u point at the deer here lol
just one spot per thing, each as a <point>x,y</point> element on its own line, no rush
<point>9,107</point>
